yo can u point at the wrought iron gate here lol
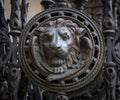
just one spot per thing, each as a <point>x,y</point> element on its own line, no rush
<point>70,51</point>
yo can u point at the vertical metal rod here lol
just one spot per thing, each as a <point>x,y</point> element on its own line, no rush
<point>109,31</point>
<point>15,26</point>
<point>24,12</point>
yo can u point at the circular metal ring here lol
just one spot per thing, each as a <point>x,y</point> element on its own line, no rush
<point>64,79</point>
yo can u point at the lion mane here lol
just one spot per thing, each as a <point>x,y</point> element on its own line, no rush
<point>77,32</point>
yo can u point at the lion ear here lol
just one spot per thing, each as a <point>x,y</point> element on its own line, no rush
<point>86,43</point>
<point>80,32</point>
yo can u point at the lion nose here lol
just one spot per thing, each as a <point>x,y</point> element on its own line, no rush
<point>54,46</point>
<point>55,43</point>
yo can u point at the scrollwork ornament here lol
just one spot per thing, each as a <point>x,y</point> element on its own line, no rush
<point>60,51</point>
<point>5,45</point>
<point>116,50</point>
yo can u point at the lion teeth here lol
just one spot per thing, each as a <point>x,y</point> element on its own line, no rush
<point>56,62</point>
<point>60,69</point>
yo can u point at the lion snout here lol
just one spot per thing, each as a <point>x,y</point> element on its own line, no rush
<point>54,46</point>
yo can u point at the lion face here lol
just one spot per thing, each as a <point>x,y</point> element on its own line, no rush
<point>58,42</point>
<point>56,45</point>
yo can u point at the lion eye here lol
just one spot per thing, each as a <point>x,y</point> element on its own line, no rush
<point>65,37</point>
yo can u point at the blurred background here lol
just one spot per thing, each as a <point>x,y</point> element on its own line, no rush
<point>33,9</point>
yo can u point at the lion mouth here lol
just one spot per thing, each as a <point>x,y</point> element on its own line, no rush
<point>56,62</point>
<point>55,57</point>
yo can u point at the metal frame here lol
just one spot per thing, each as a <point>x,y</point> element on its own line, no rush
<point>14,83</point>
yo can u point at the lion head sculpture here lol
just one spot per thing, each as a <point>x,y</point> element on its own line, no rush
<point>59,42</point>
